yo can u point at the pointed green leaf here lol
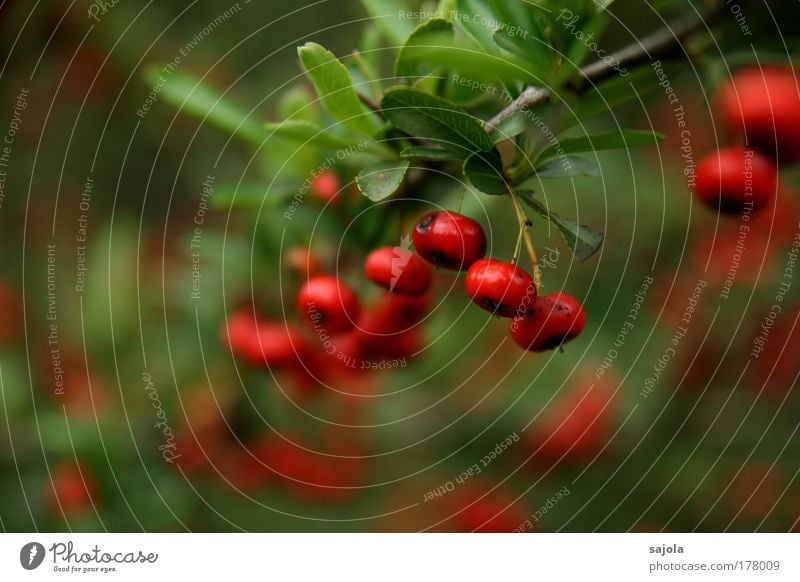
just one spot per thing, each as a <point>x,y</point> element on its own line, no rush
<point>200,100</point>
<point>627,138</point>
<point>617,91</point>
<point>388,16</point>
<point>567,167</point>
<point>484,171</point>
<point>474,17</point>
<point>413,61</point>
<point>305,133</point>
<point>581,240</point>
<point>435,154</point>
<point>522,45</point>
<point>425,116</point>
<point>380,181</point>
<point>335,88</point>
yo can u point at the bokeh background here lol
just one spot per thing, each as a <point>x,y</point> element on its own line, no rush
<point>103,347</point>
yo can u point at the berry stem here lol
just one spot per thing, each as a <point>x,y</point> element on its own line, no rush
<point>524,223</point>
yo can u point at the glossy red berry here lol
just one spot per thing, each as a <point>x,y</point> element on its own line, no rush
<point>735,180</point>
<point>399,270</point>
<point>763,104</point>
<point>449,240</point>
<point>326,186</point>
<point>556,319</point>
<point>501,288</point>
<point>261,343</point>
<point>328,304</point>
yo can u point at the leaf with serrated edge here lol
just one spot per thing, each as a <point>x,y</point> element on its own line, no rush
<point>425,116</point>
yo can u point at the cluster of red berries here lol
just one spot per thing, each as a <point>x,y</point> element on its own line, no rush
<point>763,106</point>
<point>455,242</point>
<point>352,335</point>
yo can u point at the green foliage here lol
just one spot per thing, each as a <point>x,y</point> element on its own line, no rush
<point>335,88</point>
<point>582,240</point>
<point>380,181</point>
<point>483,53</point>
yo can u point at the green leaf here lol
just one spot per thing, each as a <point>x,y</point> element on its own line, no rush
<point>471,16</point>
<point>581,240</point>
<point>296,103</point>
<point>579,48</point>
<point>617,91</point>
<point>425,116</point>
<point>335,88</point>
<point>529,49</point>
<point>200,100</point>
<point>435,154</point>
<point>512,126</point>
<point>627,138</point>
<point>566,167</point>
<point>601,5</point>
<point>380,181</point>
<point>484,171</point>
<point>305,133</point>
<point>249,196</point>
<point>388,17</point>
<point>413,61</point>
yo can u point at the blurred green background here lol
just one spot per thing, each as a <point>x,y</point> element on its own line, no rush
<point>707,441</point>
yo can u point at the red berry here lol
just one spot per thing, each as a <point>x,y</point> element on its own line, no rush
<point>484,508</point>
<point>399,270</point>
<point>501,288</point>
<point>71,491</point>
<point>262,343</point>
<point>241,469</point>
<point>764,105</point>
<point>391,314</point>
<point>449,240</point>
<point>556,319</point>
<point>579,424</point>
<point>734,180</point>
<point>328,304</point>
<point>326,186</point>
<point>301,261</point>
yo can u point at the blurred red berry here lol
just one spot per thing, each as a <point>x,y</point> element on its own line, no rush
<point>399,270</point>
<point>763,105</point>
<point>326,186</point>
<point>328,304</point>
<point>734,180</point>
<point>71,491</point>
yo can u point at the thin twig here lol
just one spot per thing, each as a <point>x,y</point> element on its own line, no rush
<point>524,223</point>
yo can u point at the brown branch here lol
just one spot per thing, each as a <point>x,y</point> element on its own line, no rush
<point>660,43</point>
